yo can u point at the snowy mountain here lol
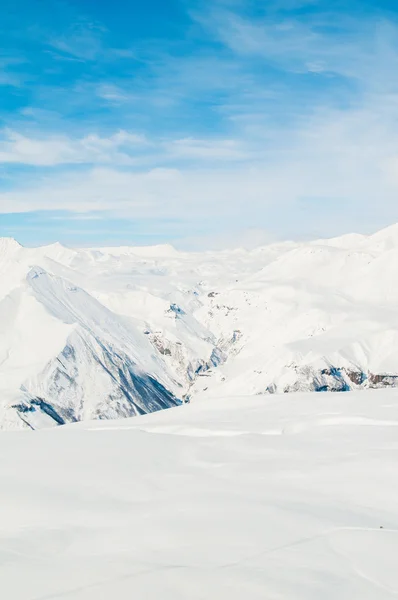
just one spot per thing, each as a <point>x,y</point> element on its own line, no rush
<point>114,332</point>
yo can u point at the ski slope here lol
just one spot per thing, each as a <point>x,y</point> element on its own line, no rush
<point>105,333</point>
<point>289,497</point>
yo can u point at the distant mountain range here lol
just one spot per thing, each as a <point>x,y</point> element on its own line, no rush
<point>114,332</point>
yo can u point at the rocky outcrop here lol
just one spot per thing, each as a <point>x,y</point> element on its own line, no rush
<point>382,380</point>
<point>333,379</point>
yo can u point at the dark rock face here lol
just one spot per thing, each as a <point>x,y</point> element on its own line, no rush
<point>65,398</point>
<point>38,404</point>
<point>357,377</point>
<point>382,380</point>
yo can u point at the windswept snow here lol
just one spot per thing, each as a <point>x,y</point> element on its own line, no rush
<point>263,497</point>
<point>97,333</point>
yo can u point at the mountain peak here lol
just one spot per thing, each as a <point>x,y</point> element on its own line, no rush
<point>388,235</point>
<point>8,244</point>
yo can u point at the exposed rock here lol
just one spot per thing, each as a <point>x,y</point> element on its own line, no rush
<point>382,380</point>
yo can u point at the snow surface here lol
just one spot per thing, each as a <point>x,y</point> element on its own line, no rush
<point>289,497</point>
<point>115,332</point>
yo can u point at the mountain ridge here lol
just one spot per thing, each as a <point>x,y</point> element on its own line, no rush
<point>155,327</point>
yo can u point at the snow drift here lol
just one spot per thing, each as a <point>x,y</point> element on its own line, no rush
<point>261,497</point>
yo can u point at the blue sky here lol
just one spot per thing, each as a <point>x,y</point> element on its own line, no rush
<point>196,122</point>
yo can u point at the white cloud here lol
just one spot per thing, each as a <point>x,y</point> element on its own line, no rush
<point>56,150</point>
<point>335,173</point>
<point>85,41</point>
<point>77,217</point>
<point>122,148</point>
<point>358,48</point>
<point>113,93</point>
<point>324,161</point>
<point>82,41</point>
<point>206,149</point>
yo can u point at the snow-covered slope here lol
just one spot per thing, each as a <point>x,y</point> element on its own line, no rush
<point>65,357</point>
<point>109,332</point>
<point>289,497</point>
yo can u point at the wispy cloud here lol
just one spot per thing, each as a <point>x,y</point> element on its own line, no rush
<point>81,217</point>
<point>10,75</point>
<point>114,94</point>
<point>82,41</point>
<point>324,42</point>
<point>85,41</point>
<point>120,149</point>
<point>277,114</point>
<point>212,149</point>
<point>56,150</point>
